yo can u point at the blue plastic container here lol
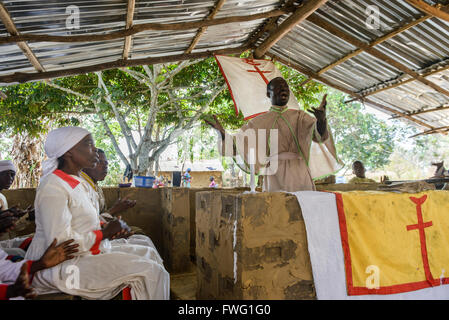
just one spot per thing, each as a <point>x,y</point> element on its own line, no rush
<point>144,182</point>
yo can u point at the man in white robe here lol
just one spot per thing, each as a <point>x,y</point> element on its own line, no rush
<point>296,131</point>
<point>64,210</point>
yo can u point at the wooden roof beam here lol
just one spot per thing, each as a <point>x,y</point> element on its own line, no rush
<point>374,52</point>
<point>11,28</point>
<point>135,29</point>
<point>129,23</point>
<point>202,30</point>
<point>431,10</point>
<point>21,77</point>
<point>369,92</point>
<point>304,11</point>
<point>376,42</point>
<point>435,130</point>
<point>414,113</point>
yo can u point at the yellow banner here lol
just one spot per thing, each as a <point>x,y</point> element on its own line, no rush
<point>394,242</point>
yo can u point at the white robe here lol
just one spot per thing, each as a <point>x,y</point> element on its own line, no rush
<point>132,244</point>
<point>12,246</point>
<point>9,271</point>
<point>3,202</point>
<point>64,211</point>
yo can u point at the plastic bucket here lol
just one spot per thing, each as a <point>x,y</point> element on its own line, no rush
<point>143,181</point>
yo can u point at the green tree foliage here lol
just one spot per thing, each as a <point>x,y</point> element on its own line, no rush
<point>32,107</point>
<point>359,135</point>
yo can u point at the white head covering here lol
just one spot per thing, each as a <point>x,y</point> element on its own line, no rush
<point>58,142</point>
<point>7,165</point>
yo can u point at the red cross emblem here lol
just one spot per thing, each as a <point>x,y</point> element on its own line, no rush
<point>256,69</point>
<point>421,225</point>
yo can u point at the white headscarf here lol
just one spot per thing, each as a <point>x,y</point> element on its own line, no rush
<point>58,142</point>
<point>7,165</point>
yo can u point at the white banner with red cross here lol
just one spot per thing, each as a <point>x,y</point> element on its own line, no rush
<point>247,81</point>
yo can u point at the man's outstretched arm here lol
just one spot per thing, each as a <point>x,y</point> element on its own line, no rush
<point>321,120</point>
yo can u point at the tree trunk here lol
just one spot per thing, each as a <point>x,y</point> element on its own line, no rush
<point>27,157</point>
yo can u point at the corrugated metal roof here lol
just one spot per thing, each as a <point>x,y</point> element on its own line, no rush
<point>422,48</point>
<point>424,45</point>
<point>100,17</point>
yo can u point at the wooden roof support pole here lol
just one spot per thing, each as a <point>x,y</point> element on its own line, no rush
<point>307,8</point>
<point>369,93</point>
<point>435,130</point>
<point>376,42</point>
<point>440,108</point>
<point>11,28</point>
<point>431,10</point>
<point>317,77</point>
<point>374,52</point>
<point>201,31</point>
<point>129,23</point>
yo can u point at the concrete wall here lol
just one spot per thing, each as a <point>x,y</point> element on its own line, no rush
<point>176,229</point>
<point>146,214</point>
<point>192,200</point>
<point>251,246</point>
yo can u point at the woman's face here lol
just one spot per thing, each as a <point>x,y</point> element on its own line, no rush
<point>84,154</point>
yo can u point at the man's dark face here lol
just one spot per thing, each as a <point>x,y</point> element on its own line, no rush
<point>6,179</point>
<point>278,92</point>
<point>359,170</point>
<point>100,171</point>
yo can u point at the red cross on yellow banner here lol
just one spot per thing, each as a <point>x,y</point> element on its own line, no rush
<point>404,237</point>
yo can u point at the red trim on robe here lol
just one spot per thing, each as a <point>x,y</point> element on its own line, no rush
<point>95,248</point>
<point>30,275</point>
<point>126,293</point>
<point>67,178</point>
<point>3,289</point>
<point>26,243</point>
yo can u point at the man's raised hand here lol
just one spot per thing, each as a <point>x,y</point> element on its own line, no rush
<point>320,112</point>
<point>122,205</point>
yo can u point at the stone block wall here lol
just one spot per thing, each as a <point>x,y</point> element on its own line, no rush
<point>192,200</point>
<point>176,229</point>
<point>251,246</point>
<point>146,214</point>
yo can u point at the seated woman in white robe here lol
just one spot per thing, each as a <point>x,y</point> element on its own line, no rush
<point>92,177</point>
<point>64,211</point>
